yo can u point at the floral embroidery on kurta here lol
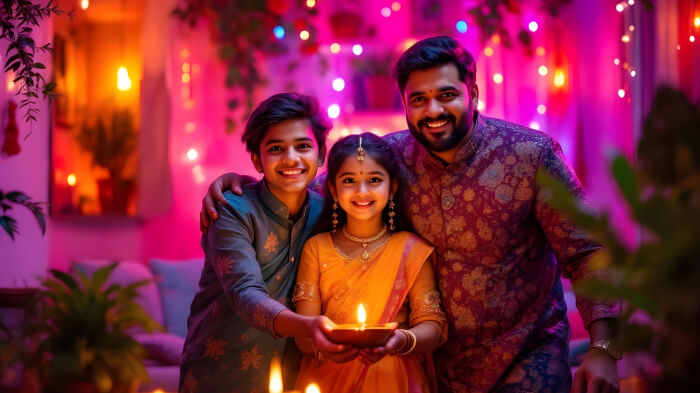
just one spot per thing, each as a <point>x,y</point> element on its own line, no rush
<point>214,347</point>
<point>251,358</point>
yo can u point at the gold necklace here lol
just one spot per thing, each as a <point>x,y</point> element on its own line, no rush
<point>368,251</point>
<point>364,241</point>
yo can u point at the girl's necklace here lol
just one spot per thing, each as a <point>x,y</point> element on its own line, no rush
<point>368,252</point>
<point>364,241</point>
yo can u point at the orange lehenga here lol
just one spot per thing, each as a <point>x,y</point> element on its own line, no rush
<point>395,284</point>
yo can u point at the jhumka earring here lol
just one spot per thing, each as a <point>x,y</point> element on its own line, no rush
<point>392,213</point>
<point>360,152</point>
<point>335,216</point>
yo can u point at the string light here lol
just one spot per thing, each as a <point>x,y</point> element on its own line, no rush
<point>631,28</point>
<point>461,26</point>
<point>697,21</point>
<point>496,39</point>
<point>535,125</point>
<point>278,31</point>
<point>333,111</point>
<point>498,78</point>
<point>480,106</point>
<point>533,26</point>
<point>311,3</point>
<point>621,93</point>
<point>71,179</point>
<point>616,61</point>
<point>625,38</point>
<point>357,49</point>
<point>488,51</point>
<point>541,109</point>
<point>386,12</point>
<point>335,48</point>
<point>692,38</point>
<point>543,70</point>
<point>540,51</point>
<point>304,35</point>
<point>185,78</point>
<point>620,7</point>
<point>84,4</point>
<point>338,84</point>
<point>630,2</point>
<point>396,6</point>
<point>633,73</point>
<point>192,154</point>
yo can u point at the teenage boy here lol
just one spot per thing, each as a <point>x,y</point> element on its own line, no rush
<point>240,315</point>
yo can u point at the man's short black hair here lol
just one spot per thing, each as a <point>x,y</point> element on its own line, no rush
<point>281,107</point>
<point>433,52</point>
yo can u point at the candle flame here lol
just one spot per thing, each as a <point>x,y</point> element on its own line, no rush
<point>123,81</point>
<point>559,78</point>
<point>361,314</point>
<point>312,388</point>
<point>275,375</point>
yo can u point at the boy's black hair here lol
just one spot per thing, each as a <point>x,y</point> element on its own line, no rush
<point>281,107</point>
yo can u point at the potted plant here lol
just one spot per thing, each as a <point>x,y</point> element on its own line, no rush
<point>111,148</point>
<point>80,340</point>
<point>658,280</point>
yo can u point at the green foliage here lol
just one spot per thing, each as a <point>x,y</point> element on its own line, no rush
<point>8,223</point>
<point>82,332</point>
<point>662,275</point>
<point>18,19</point>
<point>244,35</point>
<point>110,147</point>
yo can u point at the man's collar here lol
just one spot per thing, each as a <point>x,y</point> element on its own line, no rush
<point>275,205</point>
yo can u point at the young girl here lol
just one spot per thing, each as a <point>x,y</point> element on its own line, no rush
<point>361,257</point>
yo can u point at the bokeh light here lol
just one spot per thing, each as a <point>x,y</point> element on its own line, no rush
<point>278,31</point>
<point>461,26</point>
<point>338,84</point>
<point>333,111</point>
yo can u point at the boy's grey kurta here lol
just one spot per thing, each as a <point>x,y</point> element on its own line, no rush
<point>252,251</point>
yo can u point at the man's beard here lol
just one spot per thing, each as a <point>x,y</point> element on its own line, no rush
<point>460,130</point>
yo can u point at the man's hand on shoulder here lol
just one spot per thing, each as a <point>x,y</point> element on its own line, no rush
<point>232,181</point>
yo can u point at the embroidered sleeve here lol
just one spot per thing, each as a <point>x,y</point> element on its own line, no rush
<point>229,252</point>
<point>306,291</point>
<point>308,277</point>
<point>572,246</point>
<point>424,300</point>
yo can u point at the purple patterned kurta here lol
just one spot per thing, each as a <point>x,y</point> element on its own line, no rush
<point>500,253</point>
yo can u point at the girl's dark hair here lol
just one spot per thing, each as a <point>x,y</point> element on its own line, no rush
<point>376,148</point>
<point>281,107</point>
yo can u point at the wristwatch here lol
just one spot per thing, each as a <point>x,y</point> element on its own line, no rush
<point>609,346</point>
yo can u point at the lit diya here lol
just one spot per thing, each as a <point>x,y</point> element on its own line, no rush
<point>276,385</point>
<point>362,334</point>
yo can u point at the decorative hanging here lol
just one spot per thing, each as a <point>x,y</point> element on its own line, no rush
<point>11,146</point>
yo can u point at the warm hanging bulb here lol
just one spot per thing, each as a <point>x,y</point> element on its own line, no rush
<point>84,4</point>
<point>123,81</point>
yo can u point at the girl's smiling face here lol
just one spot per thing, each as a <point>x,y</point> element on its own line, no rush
<point>362,189</point>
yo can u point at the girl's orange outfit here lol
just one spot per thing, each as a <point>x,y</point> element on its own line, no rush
<point>395,284</point>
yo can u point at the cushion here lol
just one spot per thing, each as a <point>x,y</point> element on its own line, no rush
<point>128,272</point>
<point>178,282</point>
<point>163,348</point>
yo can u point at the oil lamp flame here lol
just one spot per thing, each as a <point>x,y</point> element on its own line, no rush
<point>275,376</point>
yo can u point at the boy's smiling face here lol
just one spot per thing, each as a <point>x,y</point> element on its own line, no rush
<point>289,157</point>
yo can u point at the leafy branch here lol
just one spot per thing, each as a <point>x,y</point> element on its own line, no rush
<point>18,20</point>
<point>8,223</point>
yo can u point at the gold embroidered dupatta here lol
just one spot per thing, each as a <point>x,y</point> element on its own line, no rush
<point>381,285</point>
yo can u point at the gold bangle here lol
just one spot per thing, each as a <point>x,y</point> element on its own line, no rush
<point>410,343</point>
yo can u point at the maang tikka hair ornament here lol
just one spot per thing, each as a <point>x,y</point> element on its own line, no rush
<point>360,152</point>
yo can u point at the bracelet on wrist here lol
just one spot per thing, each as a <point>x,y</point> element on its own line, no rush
<point>410,343</point>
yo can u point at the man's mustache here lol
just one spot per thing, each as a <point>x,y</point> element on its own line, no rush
<point>444,116</point>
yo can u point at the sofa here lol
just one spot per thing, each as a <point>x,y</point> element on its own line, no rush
<point>166,299</point>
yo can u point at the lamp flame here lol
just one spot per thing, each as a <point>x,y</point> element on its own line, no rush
<point>275,375</point>
<point>361,314</point>
<point>559,78</point>
<point>312,388</point>
<point>123,81</point>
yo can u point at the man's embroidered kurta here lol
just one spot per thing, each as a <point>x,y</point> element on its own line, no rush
<point>500,251</point>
